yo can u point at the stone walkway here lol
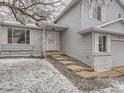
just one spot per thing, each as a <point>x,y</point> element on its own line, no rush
<point>86,72</point>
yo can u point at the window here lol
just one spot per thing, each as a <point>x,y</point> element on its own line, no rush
<point>18,36</point>
<point>96,13</point>
<point>102,43</point>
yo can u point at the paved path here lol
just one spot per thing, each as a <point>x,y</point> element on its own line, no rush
<point>86,72</point>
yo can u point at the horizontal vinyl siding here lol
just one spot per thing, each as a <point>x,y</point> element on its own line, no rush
<point>111,13</point>
<point>72,43</point>
<point>79,47</point>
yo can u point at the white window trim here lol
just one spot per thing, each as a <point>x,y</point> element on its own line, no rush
<point>96,45</point>
<point>102,35</point>
<point>25,36</point>
<point>103,15</point>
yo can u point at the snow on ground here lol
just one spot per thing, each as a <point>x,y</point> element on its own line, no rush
<point>40,76</point>
<point>32,76</point>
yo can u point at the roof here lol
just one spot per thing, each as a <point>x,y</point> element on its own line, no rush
<point>49,26</point>
<point>111,22</point>
<point>99,29</point>
<point>67,9</point>
<point>74,3</point>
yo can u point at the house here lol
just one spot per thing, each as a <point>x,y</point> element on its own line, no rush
<point>27,40</point>
<point>95,34</point>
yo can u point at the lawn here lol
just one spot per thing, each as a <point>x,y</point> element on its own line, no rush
<point>30,75</point>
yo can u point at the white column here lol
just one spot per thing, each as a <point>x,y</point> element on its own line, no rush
<point>0,38</point>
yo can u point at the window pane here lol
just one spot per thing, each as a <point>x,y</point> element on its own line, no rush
<point>10,35</point>
<point>27,37</point>
<point>104,43</point>
<point>100,43</point>
<point>19,36</point>
<point>99,13</point>
<point>94,13</point>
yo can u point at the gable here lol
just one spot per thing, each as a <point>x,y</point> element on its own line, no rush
<point>118,26</point>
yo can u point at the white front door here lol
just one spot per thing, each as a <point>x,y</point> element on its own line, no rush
<point>52,40</point>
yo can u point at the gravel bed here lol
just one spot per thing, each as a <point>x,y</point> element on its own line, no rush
<point>99,85</point>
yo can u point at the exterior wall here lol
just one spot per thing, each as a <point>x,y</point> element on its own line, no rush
<point>101,60</point>
<point>111,13</point>
<point>117,51</point>
<point>73,44</point>
<point>84,48</point>
<point>117,26</point>
<point>35,46</point>
<point>0,39</point>
<point>4,35</point>
<point>36,40</point>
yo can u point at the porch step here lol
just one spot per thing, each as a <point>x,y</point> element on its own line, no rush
<point>56,53</point>
<point>18,55</point>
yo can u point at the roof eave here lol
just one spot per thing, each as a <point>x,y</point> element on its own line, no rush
<point>68,8</point>
<point>101,30</point>
<point>48,25</point>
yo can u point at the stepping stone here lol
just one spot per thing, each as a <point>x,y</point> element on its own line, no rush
<point>121,70</point>
<point>76,68</point>
<point>56,55</point>
<point>87,74</point>
<point>113,73</point>
<point>102,75</point>
<point>67,62</point>
<point>61,58</point>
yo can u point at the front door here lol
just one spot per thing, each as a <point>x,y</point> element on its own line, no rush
<point>52,41</point>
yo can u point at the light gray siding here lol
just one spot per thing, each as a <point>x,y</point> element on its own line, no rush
<point>117,53</point>
<point>118,26</point>
<point>73,44</point>
<point>36,40</point>
<point>111,13</point>
<point>35,46</point>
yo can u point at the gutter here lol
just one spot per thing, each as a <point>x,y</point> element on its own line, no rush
<point>101,30</point>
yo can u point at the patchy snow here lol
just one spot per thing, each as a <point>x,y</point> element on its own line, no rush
<point>32,76</point>
<point>27,75</point>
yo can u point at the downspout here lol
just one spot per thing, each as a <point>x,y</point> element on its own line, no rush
<point>44,40</point>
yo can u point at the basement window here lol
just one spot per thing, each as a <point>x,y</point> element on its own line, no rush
<point>102,43</point>
<point>18,36</point>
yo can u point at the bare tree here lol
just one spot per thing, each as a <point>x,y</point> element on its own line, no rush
<point>96,2</point>
<point>38,10</point>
